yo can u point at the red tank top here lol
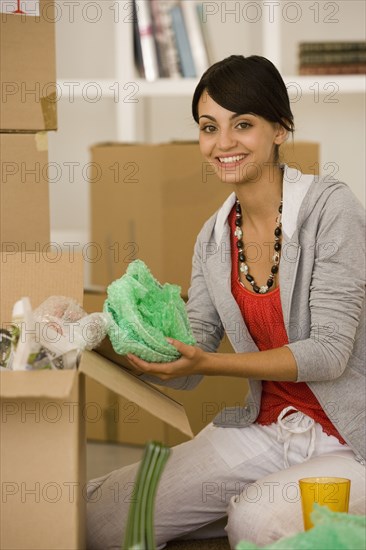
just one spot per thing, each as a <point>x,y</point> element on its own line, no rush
<point>263,317</point>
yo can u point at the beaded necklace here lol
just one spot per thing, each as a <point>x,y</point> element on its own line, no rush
<point>243,267</point>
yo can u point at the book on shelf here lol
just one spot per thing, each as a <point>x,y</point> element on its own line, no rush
<point>170,40</point>
<point>146,47</point>
<point>340,46</point>
<point>182,41</point>
<point>332,58</point>
<point>329,69</point>
<point>165,39</point>
<point>195,36</point>
<point>350,56</point>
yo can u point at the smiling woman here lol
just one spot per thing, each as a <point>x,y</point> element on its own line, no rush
<point>295,321</point>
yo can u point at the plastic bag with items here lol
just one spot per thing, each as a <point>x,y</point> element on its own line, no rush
<point>53,335</point>
<point>144,313</point>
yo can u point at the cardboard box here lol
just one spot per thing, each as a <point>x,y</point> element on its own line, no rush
<point>28,69</point>
<point>24,193</point>
<point>42,436</point>
<point>150,202</point>
<point>302,155</point>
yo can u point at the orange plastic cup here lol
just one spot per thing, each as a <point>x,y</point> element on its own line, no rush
<point>332,492</point>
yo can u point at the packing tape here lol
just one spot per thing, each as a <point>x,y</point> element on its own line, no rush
<point>41,140</point>
<point>49,111</point>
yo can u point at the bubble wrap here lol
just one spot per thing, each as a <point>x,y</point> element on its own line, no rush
<point>331,531</point>
<point>68,318</point>
<point>144,313</point>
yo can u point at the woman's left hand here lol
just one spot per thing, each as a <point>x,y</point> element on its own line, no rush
<point>190,362</point>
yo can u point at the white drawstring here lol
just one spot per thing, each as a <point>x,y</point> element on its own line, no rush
<point>299,423</point>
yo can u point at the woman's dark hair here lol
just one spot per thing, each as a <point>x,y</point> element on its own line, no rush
<point>246,85</point>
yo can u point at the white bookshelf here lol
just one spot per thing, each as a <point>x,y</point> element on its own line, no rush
<point>133,90</point>
<point>184,87</point>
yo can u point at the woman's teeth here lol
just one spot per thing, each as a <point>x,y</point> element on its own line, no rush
<point>227,160</point>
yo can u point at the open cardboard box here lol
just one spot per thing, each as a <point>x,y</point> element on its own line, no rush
<point>42,435</point>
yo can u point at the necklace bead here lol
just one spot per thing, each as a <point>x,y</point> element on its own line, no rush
<point>243,267</point>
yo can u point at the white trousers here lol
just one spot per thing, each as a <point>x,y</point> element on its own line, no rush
<point>246,478</point>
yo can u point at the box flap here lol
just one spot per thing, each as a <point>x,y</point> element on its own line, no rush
<point>129,386</point>
<point>37,384</point>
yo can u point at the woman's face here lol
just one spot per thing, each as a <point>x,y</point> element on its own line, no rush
<point>240,146</point>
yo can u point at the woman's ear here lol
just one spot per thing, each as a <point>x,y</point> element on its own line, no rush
<point>281,134</point>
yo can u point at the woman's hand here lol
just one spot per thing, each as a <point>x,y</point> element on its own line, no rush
<point>190,362</point>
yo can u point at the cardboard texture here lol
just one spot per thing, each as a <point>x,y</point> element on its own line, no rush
<point>24,193</point>
<point>38,276</point>
<point>42,435</point>
<point>150,202</point>
<point>28,70</point>
<point>137,391</point>
<point>43,414</point>
<point>42,461</point>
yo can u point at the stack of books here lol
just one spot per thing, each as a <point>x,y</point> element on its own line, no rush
<point>332,58</point>
<point>170,39</point>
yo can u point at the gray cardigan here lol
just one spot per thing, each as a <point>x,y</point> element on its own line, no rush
<point>322,286</point>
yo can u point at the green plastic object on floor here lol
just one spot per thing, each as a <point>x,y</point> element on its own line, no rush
<point>144,313</point>
<point>331,531</point>
<point>140,524</point>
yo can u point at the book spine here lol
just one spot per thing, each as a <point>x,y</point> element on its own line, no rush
<point>333,58</point>
<point>352,68</point>
<point>147,42</point>
<point>332,46</point>
<point>139,63</point>
<point>165,39</point>
<point>195,37</point>
<point>184,49</point>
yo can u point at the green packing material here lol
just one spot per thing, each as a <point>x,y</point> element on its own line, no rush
<point>144,313</point>
<point>331,531</point>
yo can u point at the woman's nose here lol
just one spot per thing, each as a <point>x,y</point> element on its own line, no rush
<point>226,140</point>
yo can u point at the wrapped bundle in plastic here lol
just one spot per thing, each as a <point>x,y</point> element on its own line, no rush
<point>144,314</point>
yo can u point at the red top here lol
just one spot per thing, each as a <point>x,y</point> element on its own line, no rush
<point>263,317</point>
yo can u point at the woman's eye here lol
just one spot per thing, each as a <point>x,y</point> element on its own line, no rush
<point>244,125</point>
<point>208,128</point>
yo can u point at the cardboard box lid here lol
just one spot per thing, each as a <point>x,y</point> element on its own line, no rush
<point>131,387</point>
<point>59,384</point>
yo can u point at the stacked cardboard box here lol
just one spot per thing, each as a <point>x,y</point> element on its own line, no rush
<point>27,111</point>
<point>150,201</point>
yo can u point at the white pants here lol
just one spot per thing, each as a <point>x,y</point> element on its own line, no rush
<point>245,477</point>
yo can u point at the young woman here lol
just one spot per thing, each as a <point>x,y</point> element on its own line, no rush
<point>294,314</point>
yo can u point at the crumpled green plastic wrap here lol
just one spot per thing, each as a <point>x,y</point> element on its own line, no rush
<point>331,531</point>
<point>144,313</point>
